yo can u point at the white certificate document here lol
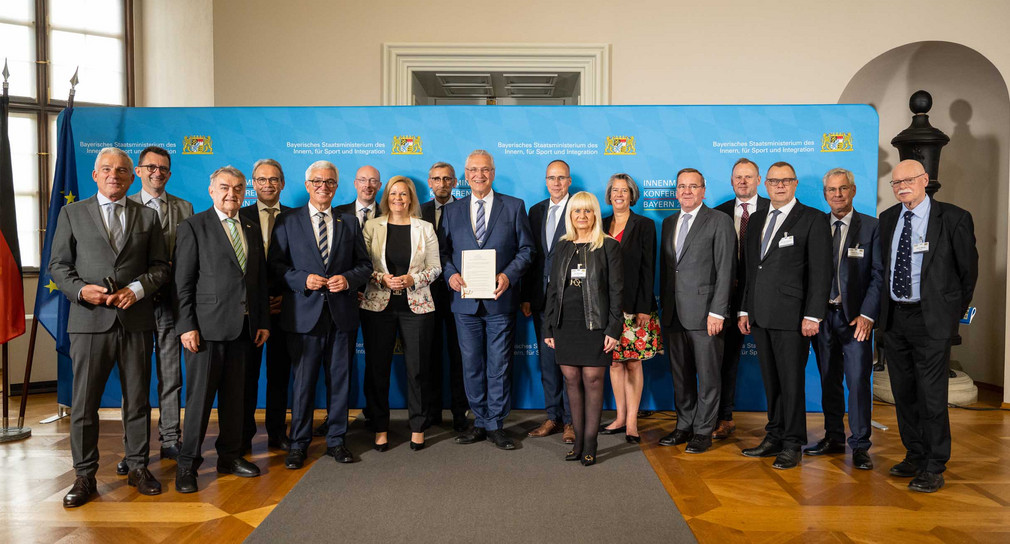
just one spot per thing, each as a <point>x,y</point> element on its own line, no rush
<point>478,273</point>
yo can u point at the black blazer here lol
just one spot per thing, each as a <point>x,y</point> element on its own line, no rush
<point>790,282</point>
<point>736,295</point>
<point>537,277</point>
<point>638,247</point>
<point>251,214</point>
<point>601,290</point>
<point>860,278</point>
<point>214,295</point>
<point>351,208</point>
<point>949,268</point>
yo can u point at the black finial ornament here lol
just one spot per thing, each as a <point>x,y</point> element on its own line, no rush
<point>922,141</point>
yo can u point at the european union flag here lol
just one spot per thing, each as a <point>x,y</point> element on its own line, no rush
<point>51,307</point>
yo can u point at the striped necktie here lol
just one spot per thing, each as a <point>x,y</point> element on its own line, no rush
<point>324,240</point>
<point>236,242</point>
<point>479,230</point>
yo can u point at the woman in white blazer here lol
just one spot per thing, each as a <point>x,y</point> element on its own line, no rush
<point>404,251</point>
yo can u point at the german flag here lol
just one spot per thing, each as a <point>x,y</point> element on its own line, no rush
<point>12,297</point>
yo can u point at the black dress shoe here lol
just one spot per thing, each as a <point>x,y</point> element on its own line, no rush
<point>381,447</point>
<point>239,467</point>
<point>295,459</point>
<point>678,436</point>
<point>927,482</point>
<point>279,442</point>
<point>699,444</point>
<point>170,452</point>
<point>905,469</point>
<point>824,447</point>
<point>766,448</point>
<point>322,428</point>
<point>459,423</point>
<point>417,446</point>
<point>84,488</point>
<point>185,480</point>
<point>122,468</point>
<point>472,435</point>
<point>573,456</point>
<point>340,453</point>
<point>501,440</point>
<point>632,439</point>
<point>588,459</point>
<point>617,430</point>
<point>144,481</point>
<point>861,460</point>
<point>786,459</point>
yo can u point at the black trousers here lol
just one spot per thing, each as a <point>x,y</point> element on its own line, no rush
<point>783,356</point>
<point>379,330</point>
<point>917,365</point>
<point>217,368</point>
<point>278,381</point>
<point>444,333</point>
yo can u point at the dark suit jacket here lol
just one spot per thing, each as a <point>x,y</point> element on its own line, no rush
<point>728,207</point>
<point>507,232</point>
<point>213,292</point>
<point>252,214</point>
<point>82,255</point>
<point>700,282</point>
<point>294,255</point>
<point>351,208</point>
<point>638,248</point>
<point>536,279</point>
<point>860,279</point>
<point>792,282</point>
<point>949,268</point>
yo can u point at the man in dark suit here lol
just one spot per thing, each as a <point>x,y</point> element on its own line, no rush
<point>441,181</point>
<point>931,266</point>
<point>696,276</point>
<point>745,180</point>
<point>367,183</point>
<point>486,327</point>
<point>154,167</point>
<point>268,181</point>
<point>844,345</point>
<point>220,281</point>
<point>108,258</point>
<point>547,221</point>
<point>788,257</point>
<point>321,259</point>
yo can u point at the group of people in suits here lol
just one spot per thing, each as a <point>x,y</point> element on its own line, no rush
<point>146,271</point>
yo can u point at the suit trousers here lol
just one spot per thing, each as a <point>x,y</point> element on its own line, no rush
<point>487,343</point>
<point>839,354</point>
<point>783,356</point>
<point>917,365</point>
<point>444,334</point>
<point>695,364</point>
<point>333,350</point>
<point>379,331</point>
<point>732,344</point>
<point>217,368</point>
<point>278,374</point>
<point>168,364</point>
<point>93,356</point>
<point>555,393</point>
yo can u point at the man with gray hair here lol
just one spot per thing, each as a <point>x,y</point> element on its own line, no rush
<point>108,257</point>
<point>220,281</point>
<point>844,345</point>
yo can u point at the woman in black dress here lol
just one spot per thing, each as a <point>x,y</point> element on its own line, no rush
<point>583,316</point>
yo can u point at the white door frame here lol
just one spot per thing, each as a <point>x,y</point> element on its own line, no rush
<point>401,60</point>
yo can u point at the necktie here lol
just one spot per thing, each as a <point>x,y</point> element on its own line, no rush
<point>836,250</point>
<point>552,225</point>
<point>902,285</point>
<point>438,216</point>
<point>364,216</point>
<point>744,220</point>
<point>236,242</point>
<point>155,204</point>
<point>479,231</point>
<point>271,219</point>
<point>115,226</point>
<point>685,224</point>
<point>769,233</point>
<point>324,242</point>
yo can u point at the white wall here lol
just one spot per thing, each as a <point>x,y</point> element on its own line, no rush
<point>174,54</point>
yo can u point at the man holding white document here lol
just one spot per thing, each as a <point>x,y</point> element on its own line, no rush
<point>486,246</point>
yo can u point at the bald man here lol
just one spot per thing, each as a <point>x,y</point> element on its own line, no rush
<point>930,266</point>
<point>367,183</point>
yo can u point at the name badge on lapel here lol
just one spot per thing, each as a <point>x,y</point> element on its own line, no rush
<point>578,273</point>
<point>921,247</point>
<point>786,241</point>
<point>856,252</point>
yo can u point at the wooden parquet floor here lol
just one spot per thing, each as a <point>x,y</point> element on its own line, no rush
<point>724,496</point>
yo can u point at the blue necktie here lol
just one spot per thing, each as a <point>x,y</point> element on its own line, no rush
<point>480,223</point>
<point>902,284</point>
<point>552,225</point>
<point>836,245</point>
<point>685,224</point>
<point>769,232</point>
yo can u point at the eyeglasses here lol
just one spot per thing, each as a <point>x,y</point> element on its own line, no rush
<point>779,181</point>
<point>445,179</point>
<point>691,188</point>
<point>483,170</point>
<point>906,181</point>
<point>317,183</point>
<point>370,181</point>
<point>152,168</point>
<point>552,179</point>
<point>839,190</point>
<point>264,181</point>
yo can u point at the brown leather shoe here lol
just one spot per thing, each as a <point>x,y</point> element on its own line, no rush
<point>723,430</point>
<point>569,435</point>
<point>546,428</point>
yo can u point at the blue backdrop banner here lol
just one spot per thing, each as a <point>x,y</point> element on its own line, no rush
<point>650,143</point>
